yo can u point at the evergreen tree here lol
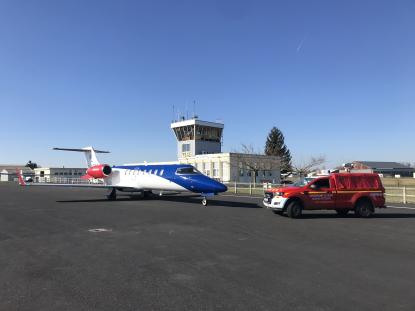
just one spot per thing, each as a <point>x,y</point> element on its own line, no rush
<point>31,164</point>
<point>275,146</point>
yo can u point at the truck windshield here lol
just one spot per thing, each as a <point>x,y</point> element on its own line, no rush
<point>302,182</point>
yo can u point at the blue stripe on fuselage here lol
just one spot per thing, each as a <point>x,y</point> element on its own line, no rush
<point>197,183</point>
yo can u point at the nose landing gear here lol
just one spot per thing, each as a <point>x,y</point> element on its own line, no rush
<point>204,201</point>
<point>112,195</point>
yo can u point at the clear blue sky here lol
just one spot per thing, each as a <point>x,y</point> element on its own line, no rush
<point>337,77</point>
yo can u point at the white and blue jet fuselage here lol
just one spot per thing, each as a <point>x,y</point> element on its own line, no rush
<point>144,178</point>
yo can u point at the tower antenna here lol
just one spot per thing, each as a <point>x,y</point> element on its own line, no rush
<point>194,109</point>
<point>173,114</point>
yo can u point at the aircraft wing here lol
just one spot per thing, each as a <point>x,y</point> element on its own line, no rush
<point>30,184</point>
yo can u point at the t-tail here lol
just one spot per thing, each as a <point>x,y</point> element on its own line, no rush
<point>90,154</point>
<point>95,169</point>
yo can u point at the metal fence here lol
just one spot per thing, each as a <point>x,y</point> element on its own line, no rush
<point>50,179</point>
<point>392,194</point>
<point>400,195</point>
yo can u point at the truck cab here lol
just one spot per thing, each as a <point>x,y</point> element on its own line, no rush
<point>341,192</point>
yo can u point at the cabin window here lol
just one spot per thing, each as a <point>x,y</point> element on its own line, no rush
<point>187,171</point>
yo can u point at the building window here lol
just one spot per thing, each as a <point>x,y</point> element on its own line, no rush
<point>215,169</point>
<point>185,147</point>
<point>186,150</point>
<point>206,169</point>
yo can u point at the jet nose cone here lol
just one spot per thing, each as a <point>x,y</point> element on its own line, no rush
<point>221,188</point>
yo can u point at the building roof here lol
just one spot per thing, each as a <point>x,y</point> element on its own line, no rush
<point>196,122</point>
<point>384,165</point>
<point>11,167</point>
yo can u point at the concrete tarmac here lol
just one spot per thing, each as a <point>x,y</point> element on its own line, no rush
<point>70,249</point>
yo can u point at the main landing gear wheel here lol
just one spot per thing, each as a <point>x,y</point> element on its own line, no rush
<point>204,202</point>
<point>112,196</point>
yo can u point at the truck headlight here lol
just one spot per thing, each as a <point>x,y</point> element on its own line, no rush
<point>279,194</point>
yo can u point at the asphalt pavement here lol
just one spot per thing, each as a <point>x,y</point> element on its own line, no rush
<point>70,249</point>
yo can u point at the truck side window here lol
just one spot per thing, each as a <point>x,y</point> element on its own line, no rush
<point>322,183</point>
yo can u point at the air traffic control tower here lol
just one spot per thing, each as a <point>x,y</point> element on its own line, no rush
<point>196,137</point>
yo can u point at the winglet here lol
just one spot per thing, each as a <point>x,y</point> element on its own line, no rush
<point>20,177</point>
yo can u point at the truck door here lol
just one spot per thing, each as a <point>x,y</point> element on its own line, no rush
<point>321,194</point>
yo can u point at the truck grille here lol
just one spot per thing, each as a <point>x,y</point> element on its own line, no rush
<point>268,197</point>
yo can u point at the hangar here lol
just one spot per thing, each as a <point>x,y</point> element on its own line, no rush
<point>52,174</point>
<point>387,169</point>
<point>8,172</point>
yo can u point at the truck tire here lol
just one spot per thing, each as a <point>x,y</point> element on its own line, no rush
<point>342,211</point>
<point>294,209</point>
<point>364,208</point>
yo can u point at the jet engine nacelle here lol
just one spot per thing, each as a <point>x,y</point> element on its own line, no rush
<point>99,171</point>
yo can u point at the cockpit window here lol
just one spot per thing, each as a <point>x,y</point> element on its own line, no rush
<point>187,171</point>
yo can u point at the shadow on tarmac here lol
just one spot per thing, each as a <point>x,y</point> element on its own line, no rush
<point>178,199</point>
<point>352,216</point>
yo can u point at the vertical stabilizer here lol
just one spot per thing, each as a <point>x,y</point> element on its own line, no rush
<point>90,154</point>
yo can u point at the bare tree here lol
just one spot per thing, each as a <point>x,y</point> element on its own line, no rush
<point>248,160</point>
<point>307,167</point>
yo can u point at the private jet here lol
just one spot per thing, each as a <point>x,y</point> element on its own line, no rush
<point>145,179</point>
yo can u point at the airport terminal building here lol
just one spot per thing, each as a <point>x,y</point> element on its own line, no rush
<point>199,143</point>
<point>54,174</point>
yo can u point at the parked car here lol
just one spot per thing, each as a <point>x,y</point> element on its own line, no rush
<point>345,192</point>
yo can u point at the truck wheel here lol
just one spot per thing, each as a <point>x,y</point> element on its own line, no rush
<point>364,209</point>
<point>294,210</point>
<point>342,211</point>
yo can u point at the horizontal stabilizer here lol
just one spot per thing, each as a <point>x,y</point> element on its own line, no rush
<point>90,154</point>
<point>80,150</point>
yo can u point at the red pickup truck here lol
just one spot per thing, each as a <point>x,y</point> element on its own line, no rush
<point>342,192</point>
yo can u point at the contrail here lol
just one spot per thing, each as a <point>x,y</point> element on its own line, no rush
<point>300,45</point>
